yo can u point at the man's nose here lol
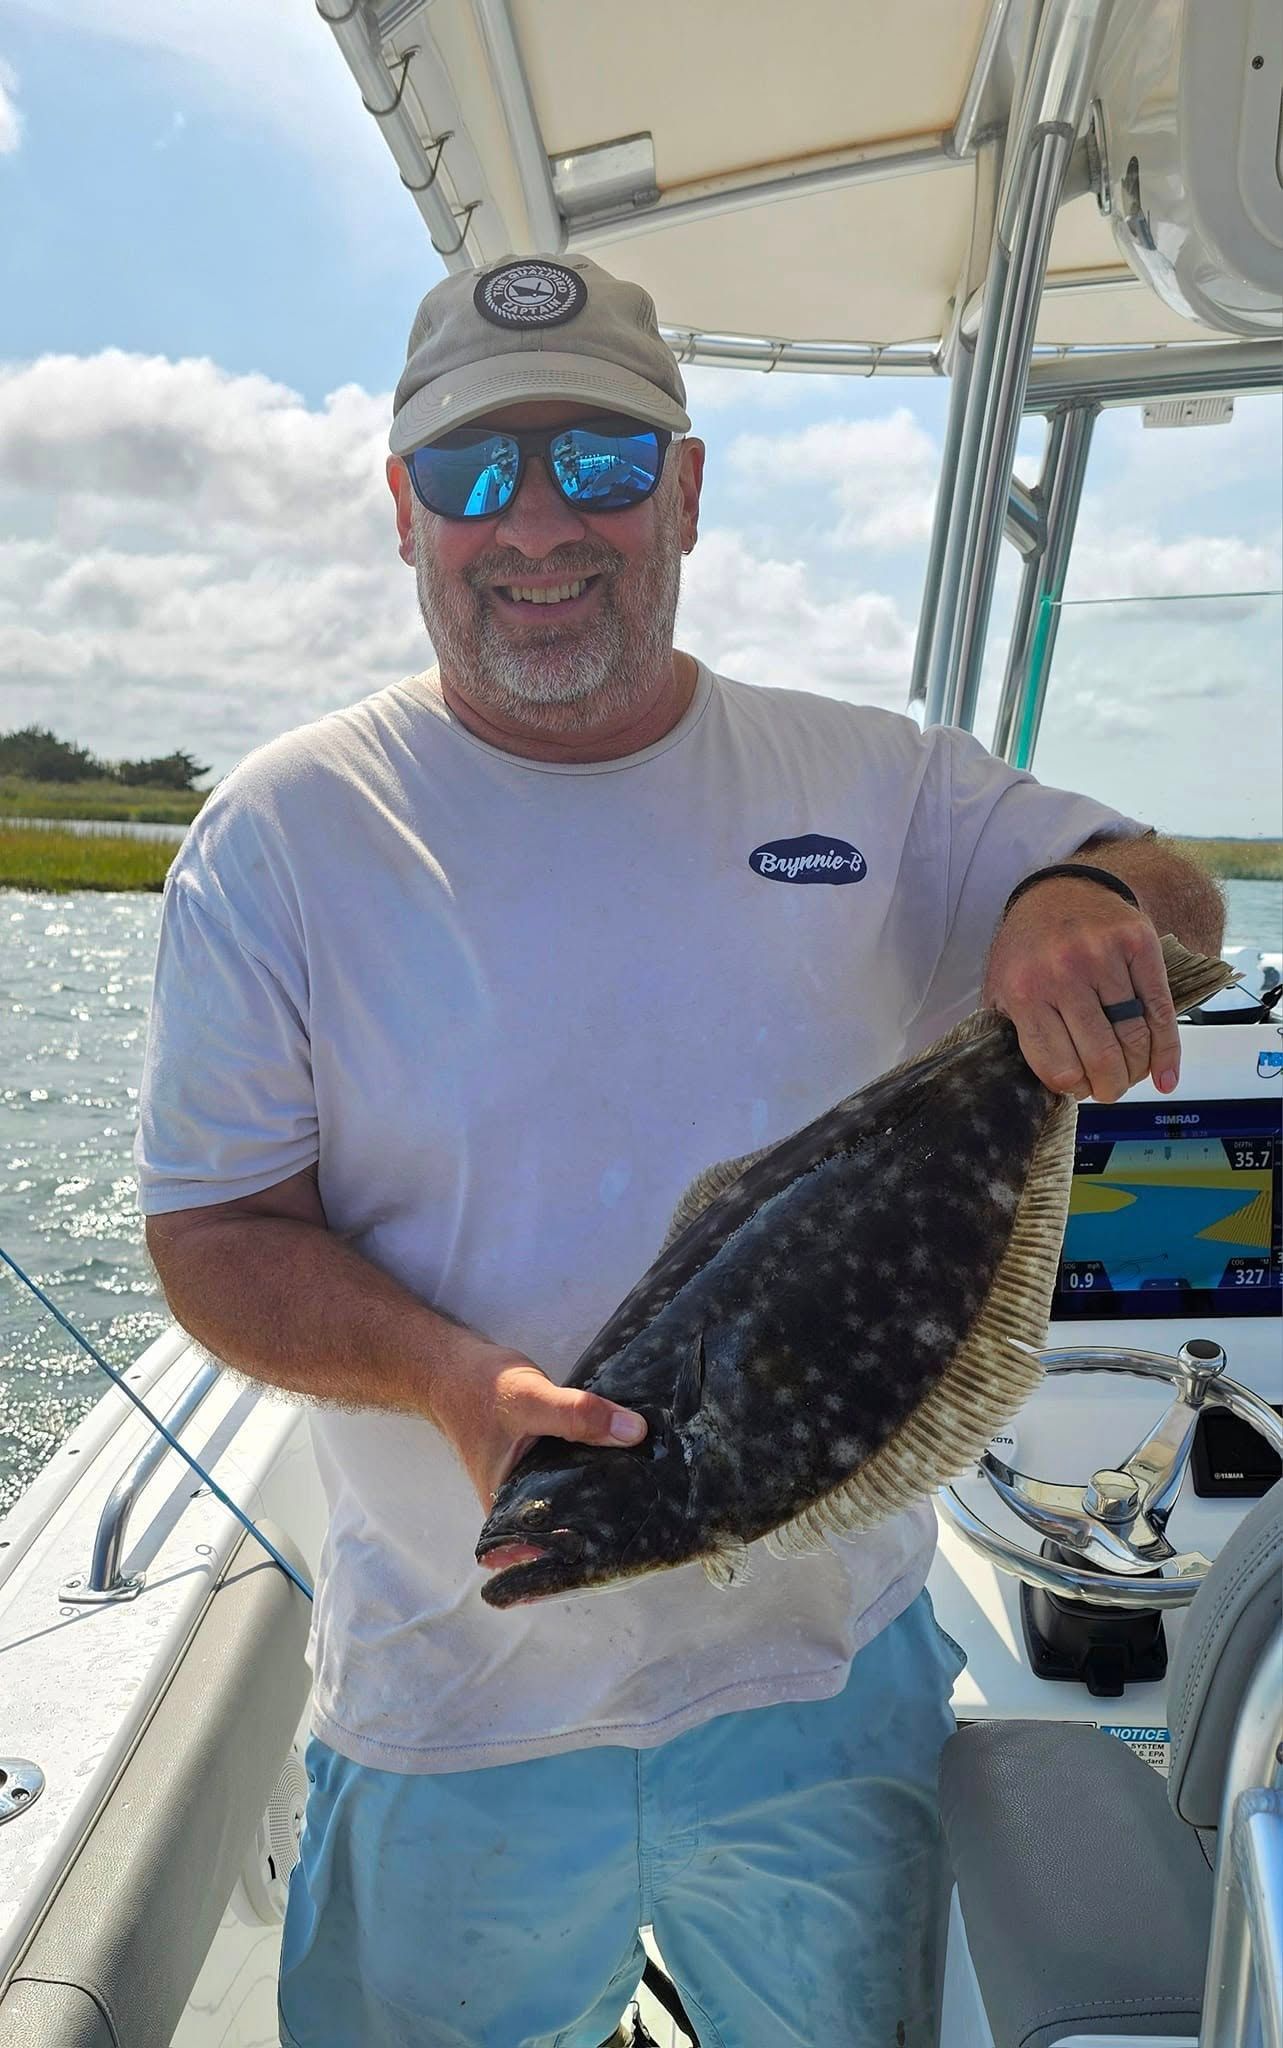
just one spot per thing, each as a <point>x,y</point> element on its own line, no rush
<point>538,519</point>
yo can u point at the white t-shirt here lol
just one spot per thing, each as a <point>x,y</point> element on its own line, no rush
<point>511,1009</point>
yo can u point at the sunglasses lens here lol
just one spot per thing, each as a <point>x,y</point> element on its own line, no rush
<point>605,466</point>
<point>470,474</point>
<point>602,464</point>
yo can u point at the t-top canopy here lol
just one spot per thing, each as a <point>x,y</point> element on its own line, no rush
<point>817,180</point>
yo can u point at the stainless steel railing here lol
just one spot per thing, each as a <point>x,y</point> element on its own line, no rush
<point>105,1580</point>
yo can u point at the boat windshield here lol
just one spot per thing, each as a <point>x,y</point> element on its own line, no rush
<point>1166,643</point>
<point>1167,705</point>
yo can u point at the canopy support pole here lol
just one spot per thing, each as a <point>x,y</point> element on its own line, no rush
<point>1056,496</point>
<point>970,517</point>
<point>512,88</point>
<point>929,615</point>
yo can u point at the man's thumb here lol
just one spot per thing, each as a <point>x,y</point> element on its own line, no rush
<point>585,1418</point>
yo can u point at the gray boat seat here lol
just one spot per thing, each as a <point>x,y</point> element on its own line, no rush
<point>116,1956</point>
<point>1085,1887</point>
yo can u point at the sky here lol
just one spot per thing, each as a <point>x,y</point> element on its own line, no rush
<point>208,268</point>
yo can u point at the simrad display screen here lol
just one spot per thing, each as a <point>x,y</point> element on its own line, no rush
<point>1175,1211</point>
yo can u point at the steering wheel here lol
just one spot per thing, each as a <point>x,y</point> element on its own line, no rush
<point>1117,1522</point>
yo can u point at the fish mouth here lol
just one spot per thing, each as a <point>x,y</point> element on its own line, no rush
<point>544,1564</point>
<point>517,1585</point>
<point>527,1564</point>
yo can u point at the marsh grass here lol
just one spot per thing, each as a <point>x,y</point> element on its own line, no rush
<point>37,858</point>
<point>40,857</point>
<point>137,804</point>
<point>1237,860</point>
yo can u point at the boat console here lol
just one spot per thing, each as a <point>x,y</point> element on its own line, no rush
<point>1116,1548</point>
<point>1164,1356</point>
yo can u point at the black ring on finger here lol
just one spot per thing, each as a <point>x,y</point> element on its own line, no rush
<point>1121,1013</point>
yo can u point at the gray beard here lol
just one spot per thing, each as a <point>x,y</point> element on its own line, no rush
<point>611,665</point>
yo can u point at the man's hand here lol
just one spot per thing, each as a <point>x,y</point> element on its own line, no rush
<point>1066,949</point>
<point>490,1404</point>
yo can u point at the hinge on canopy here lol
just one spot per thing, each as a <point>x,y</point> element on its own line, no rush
<point>606,178</point>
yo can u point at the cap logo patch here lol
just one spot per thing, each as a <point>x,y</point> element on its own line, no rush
<point>530,295</point>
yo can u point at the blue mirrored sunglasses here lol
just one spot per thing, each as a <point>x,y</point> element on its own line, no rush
<point>603,465</point>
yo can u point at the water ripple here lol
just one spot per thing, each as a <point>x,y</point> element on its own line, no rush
<point>75,980</point>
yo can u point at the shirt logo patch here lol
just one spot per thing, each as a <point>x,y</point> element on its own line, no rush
<point>530,295</point>
<point>815,857</point>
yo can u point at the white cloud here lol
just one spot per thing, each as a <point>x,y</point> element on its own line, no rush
<point>1127,561</point>
<point>10,118</point>
<point>214,560</point>
<point>709,390</point>
<point>881,472</point>
<point>765,621</point>
<point>193,449</point>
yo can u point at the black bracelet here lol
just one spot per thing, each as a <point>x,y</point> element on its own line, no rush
<point>1073,870</point>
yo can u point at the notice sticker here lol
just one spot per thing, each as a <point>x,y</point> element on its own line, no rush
<point>1152,1745</point>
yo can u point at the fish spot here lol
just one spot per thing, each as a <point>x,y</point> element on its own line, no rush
<point>931,1332</point>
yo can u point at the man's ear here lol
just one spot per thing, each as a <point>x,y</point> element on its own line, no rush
<point>403,491</point>
<point>690,479</point>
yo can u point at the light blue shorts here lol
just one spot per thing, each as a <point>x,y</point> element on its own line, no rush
<point>789,1859</point>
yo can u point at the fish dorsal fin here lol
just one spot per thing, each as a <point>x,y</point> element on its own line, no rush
<point>714,1180</point>
<point>977,1024</point>
<point>1191,977</point>
<point>729,1566</point>
<point>722,1197</point>
<point>994,1371</point>
<point>705,1188</point>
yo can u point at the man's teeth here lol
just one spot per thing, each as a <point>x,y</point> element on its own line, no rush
<point>525,593</point>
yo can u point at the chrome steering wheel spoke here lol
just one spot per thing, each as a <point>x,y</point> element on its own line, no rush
<point>1117,1522</point>
<point>1159,1463</point>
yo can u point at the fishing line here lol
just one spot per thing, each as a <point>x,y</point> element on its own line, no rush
<point>118,1380</point>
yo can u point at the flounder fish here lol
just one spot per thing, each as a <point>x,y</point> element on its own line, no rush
<point>834,1327</point>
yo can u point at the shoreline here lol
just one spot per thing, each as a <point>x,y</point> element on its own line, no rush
<point>97,802</point>
<point>45,859</point>
<point>49,854</point>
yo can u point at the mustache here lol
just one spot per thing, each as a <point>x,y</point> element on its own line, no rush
<point>506,566</point>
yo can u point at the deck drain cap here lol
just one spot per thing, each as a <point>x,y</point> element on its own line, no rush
<point>21,1783</point>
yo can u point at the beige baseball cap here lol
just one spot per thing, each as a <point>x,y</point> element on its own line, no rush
<point>534,327</point>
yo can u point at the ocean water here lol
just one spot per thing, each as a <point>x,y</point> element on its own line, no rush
<point>75,975</point>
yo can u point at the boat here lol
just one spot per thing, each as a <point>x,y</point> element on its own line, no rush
<point>1060,206</point>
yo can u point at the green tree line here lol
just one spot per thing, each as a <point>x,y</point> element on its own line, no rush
<point>39,756</point>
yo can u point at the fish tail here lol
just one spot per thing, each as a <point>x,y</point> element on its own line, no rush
<point>1192,977</point>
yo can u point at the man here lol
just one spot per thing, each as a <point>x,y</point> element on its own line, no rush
<point>457,990</point>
